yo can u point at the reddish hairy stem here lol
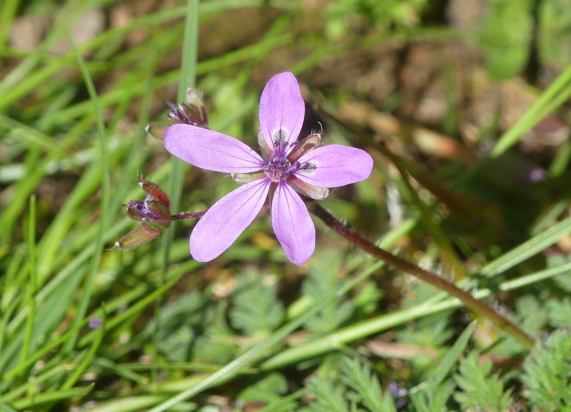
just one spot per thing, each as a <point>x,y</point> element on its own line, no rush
<point>188,215</point>
<point>435,280</point>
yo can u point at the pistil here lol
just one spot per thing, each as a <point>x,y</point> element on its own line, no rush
<point>278,168</point>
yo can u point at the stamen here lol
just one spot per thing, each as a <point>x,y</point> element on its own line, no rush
<point>280,139</point>
<point>278,168</point>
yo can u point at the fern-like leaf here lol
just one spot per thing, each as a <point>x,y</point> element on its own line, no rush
<point>433,398</point>
<point>256,309</point>
<point>321,285</point>
<point>547,377</point>
<point>480,389</point>
<point>560,313</point>
<point>358,376</point>
<point>328,397</point>
<point>433,395</point>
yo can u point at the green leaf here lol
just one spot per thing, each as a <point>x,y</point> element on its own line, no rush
<point>328,397</point>
<point>256,309</point>
<point>268,389</point>
<point>322,285</point>
<point>547,373</point>
<point>434,394</point>
<point>176,326</point>
<point>480,389</point>
<point>358,376</point>
<point>452,355</point>
<point>507,45</point>
<point>554,33</point>
<point>216,345</point>
<point>560,313</point>
<point>434,399</point>
<point>532,313</point>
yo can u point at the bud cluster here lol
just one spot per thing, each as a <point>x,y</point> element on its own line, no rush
<point>192,111</point>
<point>153,213</point>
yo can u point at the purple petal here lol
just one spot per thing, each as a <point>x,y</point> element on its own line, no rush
<point>335,165</point>
<point>292,224</point>
<point>281,108</point>
<point>226,219</point>
<point>211,150</point>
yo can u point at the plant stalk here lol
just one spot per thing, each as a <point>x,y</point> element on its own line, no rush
<point>188,215</point>
<point>437,281</point>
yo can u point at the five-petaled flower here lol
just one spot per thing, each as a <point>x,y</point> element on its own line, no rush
<point>288,166</point>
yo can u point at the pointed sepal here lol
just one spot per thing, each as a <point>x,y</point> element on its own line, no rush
<point>264,147</point>
<point>154,191</point>
<point>137,237</point>
<point>308,190</point>
<point>247,177</point>
<point>303,146</point>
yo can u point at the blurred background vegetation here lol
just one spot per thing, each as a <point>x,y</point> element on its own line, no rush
<point>469,96</point>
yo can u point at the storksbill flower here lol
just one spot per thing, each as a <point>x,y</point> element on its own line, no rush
<point>287,167</point>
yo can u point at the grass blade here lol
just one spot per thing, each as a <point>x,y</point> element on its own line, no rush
<point>104,205</point>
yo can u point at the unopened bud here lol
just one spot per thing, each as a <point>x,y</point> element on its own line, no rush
<point>192,111</point>
<point>136,209</point>
<point>153,212</point>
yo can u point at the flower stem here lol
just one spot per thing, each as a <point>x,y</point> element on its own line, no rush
<point>437,281</point>
<point>188,215</point>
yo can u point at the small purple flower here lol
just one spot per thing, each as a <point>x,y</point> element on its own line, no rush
<point>95,322</point>
<point>287,167</point>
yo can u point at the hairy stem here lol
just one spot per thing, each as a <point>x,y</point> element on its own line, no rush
<point>470,301</point>
<point>188,215</point>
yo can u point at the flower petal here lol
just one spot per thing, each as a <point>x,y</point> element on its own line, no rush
<point>226,219</point>
<point>281,109</point>
<point>211,150</point>
<point>335,165</point>
<point>292,224</point>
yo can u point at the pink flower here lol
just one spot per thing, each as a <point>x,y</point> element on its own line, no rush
<point>287,167</point>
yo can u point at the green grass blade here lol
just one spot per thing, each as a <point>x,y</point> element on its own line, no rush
<point>87,359</point>
<point>187,79</point>
<point>452,356</point>
<point>541,108</point>
<point>47,397</point>
<point>378,324</point>
<point>527,249</point>
<point>105,201</point>
<point>32,285</point>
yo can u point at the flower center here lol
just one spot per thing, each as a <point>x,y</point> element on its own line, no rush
<point>278,168</point>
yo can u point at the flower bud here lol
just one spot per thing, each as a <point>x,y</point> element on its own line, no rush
<point>153,212</point>
<point>154,191</point>
<point>192,111</point>
<point>136,209</point>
